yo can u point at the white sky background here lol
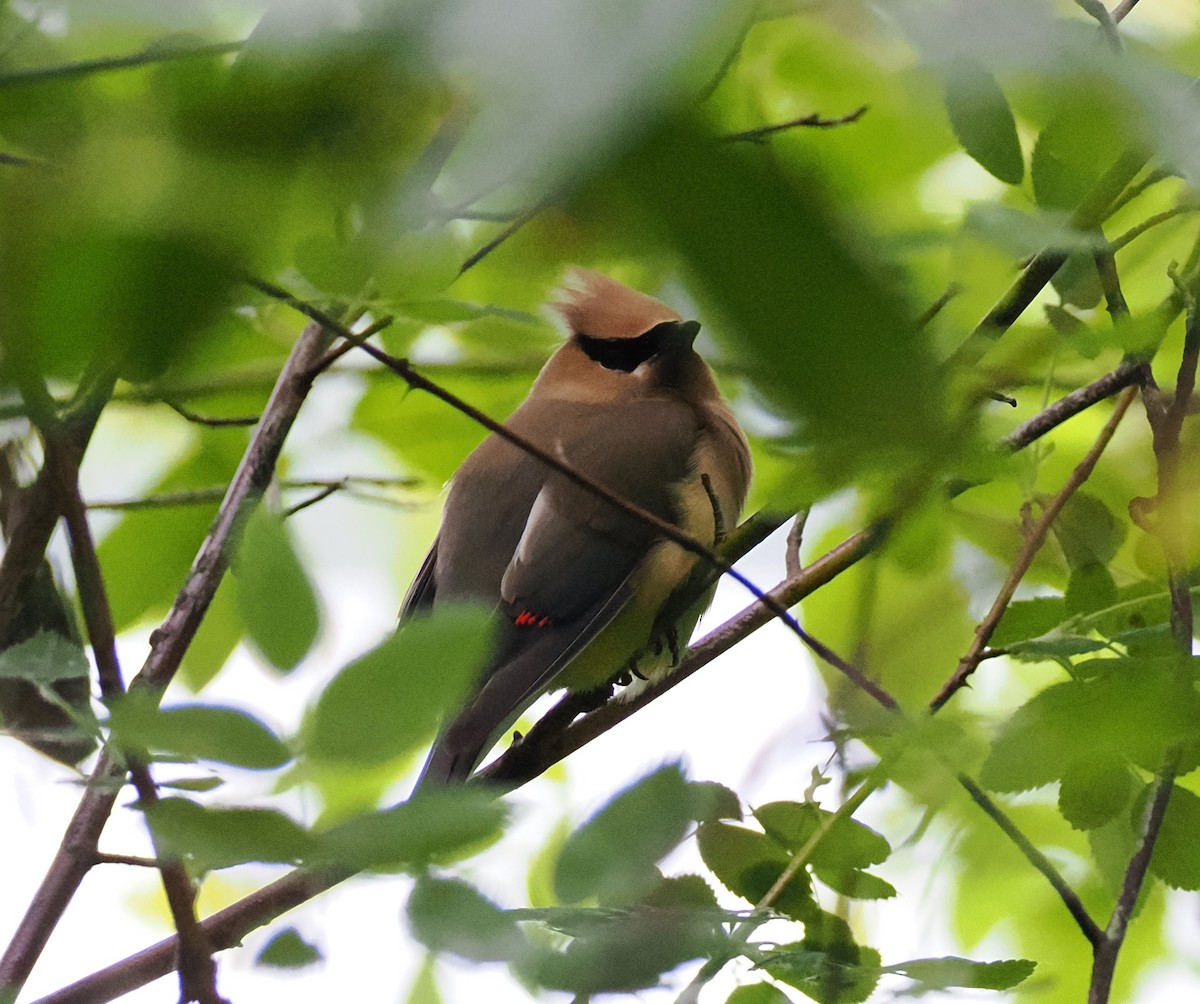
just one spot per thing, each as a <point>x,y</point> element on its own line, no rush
<point>717,722</point>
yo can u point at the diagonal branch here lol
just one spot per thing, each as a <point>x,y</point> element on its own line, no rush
<point>403,368</point>
<point>1033,543</point>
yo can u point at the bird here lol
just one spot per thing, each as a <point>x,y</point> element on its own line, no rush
<point>588,594</point>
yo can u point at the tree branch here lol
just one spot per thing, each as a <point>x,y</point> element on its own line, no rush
<point>813,121</point>
<point>168,644</point>
<point>90,67</point>
<point>1033,543</point>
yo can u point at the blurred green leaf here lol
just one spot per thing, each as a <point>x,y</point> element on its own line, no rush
<point>274,594</point>
<point>829,971</point>
<point>44,658</point>
<point>223,837</point>
<point>288,950</point>
<point>1095,789</point>
<point>434,826</point>
<point>1174,859</point>
<point>982,120</point>
<point>1088,531</point>
<point>803,296</point>
<point>200,731</point>
<point>944,973</point>
<point>612,856</point>
<point>757,993</point>
<point>388,702</point>
<point>630,951</point>
<point>448,915</point>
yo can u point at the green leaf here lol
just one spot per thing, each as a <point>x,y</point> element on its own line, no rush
<point>847,844</point>
<point>221,837</point>
<point>1088,531</point>
<point>757,993</point>
<point>1135,708</point>
<point>837,974</point>
<point>1077,145</point>
<point>45,658</point>
<point>629,952</point>
<point>613,855</point>
<point>274,594</point>
<point>680,892</point>
<point>838,353</point>
<point>433,826</point>
<point>1175,860</point>
<point>1029,619</point>
<point>748,863</point>
<point>388,703</point>
<point>447,915</point>
<point>1054,647</point>
<point>424,988</point>
<point>951,971</point>
<point>982,120</point>
<point>288,950</point>
<point>195,731</point>
<point>1095,789</point>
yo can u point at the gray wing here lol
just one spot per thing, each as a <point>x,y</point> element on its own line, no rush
<point>573,561</point>
<point>423,591</point>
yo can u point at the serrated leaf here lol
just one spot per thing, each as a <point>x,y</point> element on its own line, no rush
<point>434,826</point>
<point>1134,708</point>
<point>195,731</point>
<point>1025,619</point>
<point>681,892</point>
<point>843,974</point>
<point>855,883</point>
<point>388,702</point>
<point>613,855</point>
<point>1175,860</point>
<point>748,863</point>
<point>274,594</point>
<point>288,950</point>
<point>1095,789</point>
<point>448,915</point>
<point>982,120</point>
<point>1054,647</point>
<point>848,844</point>
<point>222,837</point>
<point>712,801</point>
<point>45,658</point>
<point>951,971</point>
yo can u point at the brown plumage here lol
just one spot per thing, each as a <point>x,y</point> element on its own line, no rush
<point>579,582</point>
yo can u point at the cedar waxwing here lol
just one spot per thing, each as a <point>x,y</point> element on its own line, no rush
<point>579,583</point>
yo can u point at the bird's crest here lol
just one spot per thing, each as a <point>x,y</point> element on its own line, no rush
<point>601,307</point>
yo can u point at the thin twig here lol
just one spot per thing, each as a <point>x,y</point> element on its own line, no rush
<point>813,121</point>
<point>938,305</point>
<point>518,222</point>
<point>795,537</point>
<point>131,860</point>
<point>1089,927</point>
<point>1110,282</point>
<point>1104,958</point>
<point>1029,549</point>
<point>1072,404</point>
<point>216,423</point>
<point>1043,266</point>
<point>89,67</point>
<point>206,496</point>
<point>1154,220</point>
<point>403,368</point>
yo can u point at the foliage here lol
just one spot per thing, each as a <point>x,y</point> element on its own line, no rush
<point>1027,167</point>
